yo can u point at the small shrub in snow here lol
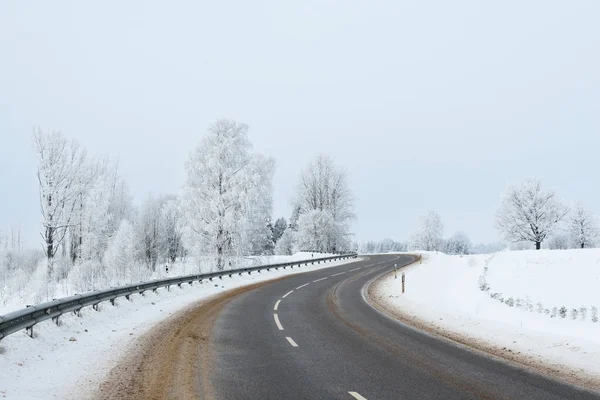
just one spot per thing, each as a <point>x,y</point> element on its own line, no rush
<point>546,311</point>
<point>554,312</point>
<point>594,311</point>
<point>563,312</point>
<point>510,302</point>
<point>483,285</point>
<point>528,305</point>
<point>519,303</point>
<point>583,313</point>
<point>574,313</point>
<point>540,308</point>
<point>496,296</point>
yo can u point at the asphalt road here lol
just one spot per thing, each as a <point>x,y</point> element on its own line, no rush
<point>313,336</point>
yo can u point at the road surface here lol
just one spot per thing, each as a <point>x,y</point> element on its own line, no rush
<point>314,336</point>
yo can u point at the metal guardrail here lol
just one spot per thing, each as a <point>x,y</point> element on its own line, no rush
<point>28,317</point>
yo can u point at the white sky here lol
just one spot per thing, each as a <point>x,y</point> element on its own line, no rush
<point>427,104</point>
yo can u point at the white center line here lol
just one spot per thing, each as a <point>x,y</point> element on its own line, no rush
<point>277,305</point>
<point>339,273</point>
<point>287,294</point>
<point>300,287</point>
<point>355,269</point>
<point>289,339</point>
<point>356,396</point>
<point>320,279</point>
<point>277,322</point>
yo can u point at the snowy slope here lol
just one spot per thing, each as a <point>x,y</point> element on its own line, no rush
<point>511,301</point>
<point>70,361</point>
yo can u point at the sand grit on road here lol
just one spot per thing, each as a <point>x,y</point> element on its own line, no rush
<point>172,361</point>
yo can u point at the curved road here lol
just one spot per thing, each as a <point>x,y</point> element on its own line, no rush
<point>313,336</point>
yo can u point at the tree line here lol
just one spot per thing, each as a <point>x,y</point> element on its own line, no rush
<point>222,215</point>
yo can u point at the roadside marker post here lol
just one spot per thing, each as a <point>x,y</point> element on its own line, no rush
<point>403,281</point>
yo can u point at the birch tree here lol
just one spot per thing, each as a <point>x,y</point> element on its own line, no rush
<point>60,177</point>
<point>528,213</point>
<point>227,193</point>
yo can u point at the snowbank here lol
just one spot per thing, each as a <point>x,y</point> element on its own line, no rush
<point>539,305</point>
<point>71,360</point>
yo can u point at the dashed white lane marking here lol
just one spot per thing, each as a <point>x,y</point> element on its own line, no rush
<point>289,339</point>
<point>287,294</point>
<point>277,322</point>
<point>339,273</point>
<point>355,269</point>
<point>320,279</point>
<point>277,305</point>
<point>356,396</point>
<point>300,287</point>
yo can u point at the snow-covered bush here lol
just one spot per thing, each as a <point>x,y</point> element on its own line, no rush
<point>316,231</point>
<point>120,259</point>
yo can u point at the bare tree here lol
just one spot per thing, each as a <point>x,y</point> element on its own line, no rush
<point>60,163</point>
<point>583,227</point>
<point>529,213</point>
<point>429,235</point>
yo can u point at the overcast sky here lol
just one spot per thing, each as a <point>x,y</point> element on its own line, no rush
<point>427,104</point>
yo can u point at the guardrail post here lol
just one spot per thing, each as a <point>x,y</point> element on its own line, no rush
<point>29,331</point>
<point>55,320</point>
<point>127,297</point>
<point>112,301</point>
<point>95,307</point>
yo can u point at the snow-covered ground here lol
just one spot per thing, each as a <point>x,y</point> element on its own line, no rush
<point>538,307</point>
<point>71,360</point>
<point>26,286</point>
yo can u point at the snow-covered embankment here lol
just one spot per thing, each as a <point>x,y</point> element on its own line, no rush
<point>539,308</point>
<point>71,361</point>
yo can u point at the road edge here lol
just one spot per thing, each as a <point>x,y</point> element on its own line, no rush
<point>562,373</point>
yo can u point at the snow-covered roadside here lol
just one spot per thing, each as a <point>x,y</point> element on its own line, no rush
<point>509,303</point>
<point>70,361</point>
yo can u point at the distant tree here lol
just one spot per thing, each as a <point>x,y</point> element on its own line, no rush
<point>149,231</point>
<point>323,187</point>
<point>558,242</point>
<point>529,214</point>
<point>429,234</point>
<point>278,228</point>
<point>285,244</point>
<point>458,244</point>
<point>170,232</point>
<point>583,227</point>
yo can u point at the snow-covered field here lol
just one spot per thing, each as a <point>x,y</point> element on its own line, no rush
<point>71,360</point>
<point>539,307</point>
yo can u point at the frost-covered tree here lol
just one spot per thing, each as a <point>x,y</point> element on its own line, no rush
<point>316,231</point>
<point>120,258</point>
<point>583,227</point>
<point>170,231</point>
<point>150,231</point>
<point>323,187</point>
<point>285,244</point>
<point>429,234</point>
<point>459,243</point>
<point>227,193</point>
<point>61,165</point>
<point>529,213</point>
<point>278,228</point>
<point>558,242</point>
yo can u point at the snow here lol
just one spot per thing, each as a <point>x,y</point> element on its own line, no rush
<point>71,360</point>
<point>455,294</point>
